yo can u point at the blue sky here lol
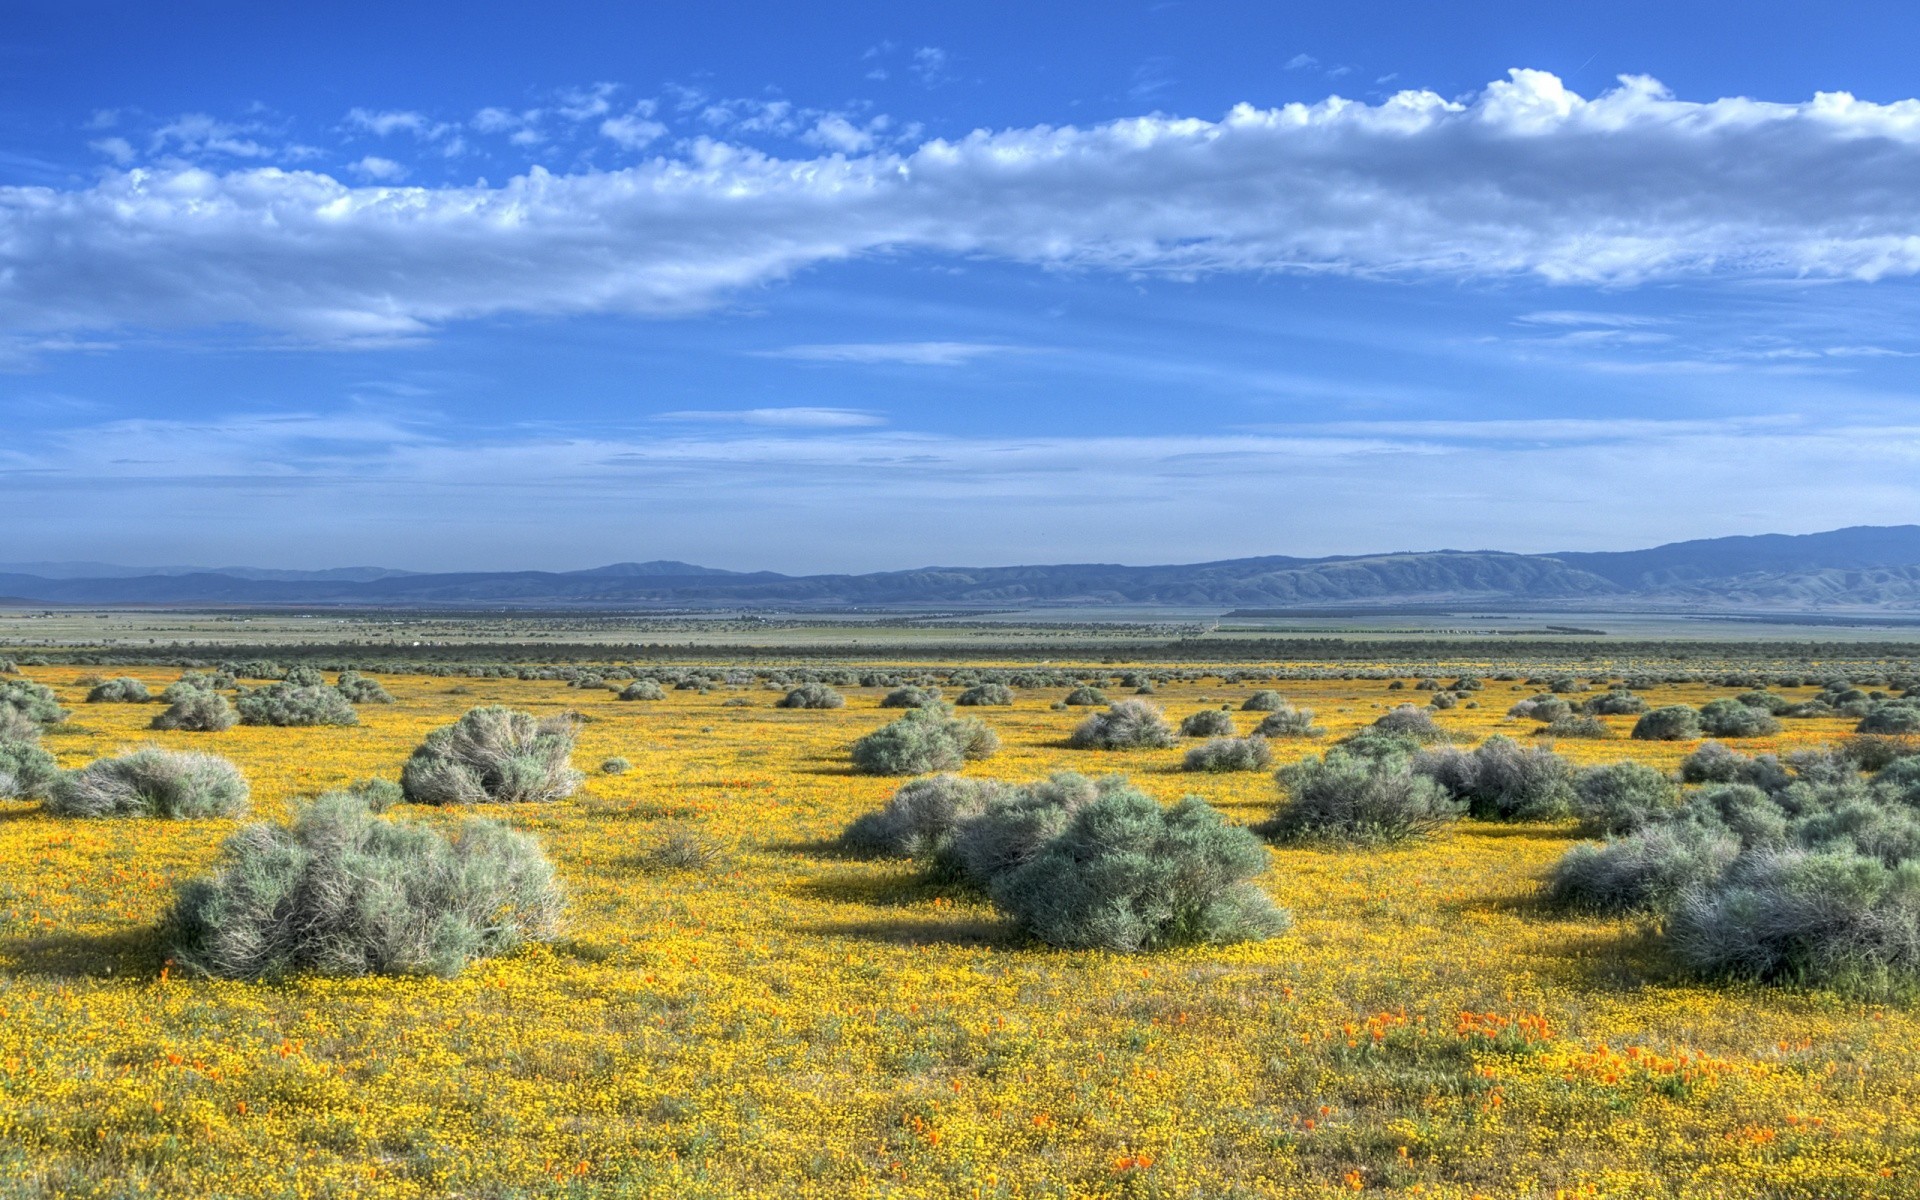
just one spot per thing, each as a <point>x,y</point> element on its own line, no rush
<point>515,285</point>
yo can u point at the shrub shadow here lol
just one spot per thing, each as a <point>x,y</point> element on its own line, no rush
<point>126,954</point>
<point>977,933</point>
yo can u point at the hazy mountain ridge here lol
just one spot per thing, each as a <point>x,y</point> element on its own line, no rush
<point>1864,567</point>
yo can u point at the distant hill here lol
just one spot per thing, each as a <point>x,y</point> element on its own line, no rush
<point>1865,567</point>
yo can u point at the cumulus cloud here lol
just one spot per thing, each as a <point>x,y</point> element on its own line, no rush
<point>380,169</point>
<point>1526,178</point>
<point>923,354</point>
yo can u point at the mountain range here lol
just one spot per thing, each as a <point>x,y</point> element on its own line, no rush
<point>1860,568</point>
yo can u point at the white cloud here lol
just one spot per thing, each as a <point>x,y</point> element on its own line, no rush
<point>1300,62</point>
<point>631,131</point>
<point>382,170</point>
<point>930,64</point>
<point>835,132</point>
<point>786,418</point>
<point>586,104</point>
<point>385,124</point>
<point>1524,179</point>
<point>116,148</point>
<point>925,354</point>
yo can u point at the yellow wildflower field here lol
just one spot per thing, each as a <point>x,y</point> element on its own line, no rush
<point>784,1021</point>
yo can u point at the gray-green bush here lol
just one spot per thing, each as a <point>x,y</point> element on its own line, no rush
<point>1086,697</point>
<point>1501,781</point>
<point>343,892</point>
<point>1346,798</point>
<point>1406,721</point>
<point>1208,722</point>
<point>1649,871</point>
<point>1286,722</point>
<point>1622,797</point>
<point>812,695</point>
<point>358,689</point>
<point>1127,875</point>
<point>34,701</point>
<point>982,694</point>
<point>151,782</point>
<point>1730,718</point>
<point>196,711</point>
<point>643,689</point>
<point>287,704</point>
<point>919,818</point>
<point>1220,755</point>
<point>1264,700</point>
<point>1544,707</point>
<point>1619,702</point>
<point>911,697</point>
<point>122,690</point>
<point>924,740</point>
<point>26,771</point>
<point>1127,725</point>
<point>493,755</point>
<point>1674,723</point>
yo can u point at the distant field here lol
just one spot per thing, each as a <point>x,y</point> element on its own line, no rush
<point>791,1022</point>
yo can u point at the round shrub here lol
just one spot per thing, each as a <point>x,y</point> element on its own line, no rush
<point>1592,728</point>
<point>812,695</point>
<point>1824,918</point>
<point>1616,703</point>
<point>1715,763</point>
<point>1083,697</point>
<point>1264,700</point>
<point>1648,871</point>
<point>918,819</point>
<point>1288,722</point>
<point>1230,754</point>
<point>493,755</point>
<point>15,726</point>
<point>151,782</point>
<point>1208,722</point>
<point>911,697</point>
<point>643,689</point>
<point>1622,797</point>
<point>1500,781</point>
<point>1674,723</point>
<point>1012,824</point>
<point>343,892</point>
<point>615,766</point>
<point>358,689</point>
<point>34,701</point>
<point>289,704</point>
<point>981,694</point>
<point>1765,701</point>
<point>926,739</point>
<point>195,711</point>
<point>1889,718</point>
<point>119,691</point>
<point>1406,721</point>
<point>1541,708</point>
<point>1442,701</point>
<point>1730,718</point>
<point>304,677</point>
<point>1128,875</point>
<point>1346,798</point>
<point>1128,725</point>
<point>26,771</point>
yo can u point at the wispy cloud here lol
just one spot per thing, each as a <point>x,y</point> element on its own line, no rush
<point>785,418</point>
<point>921,354</point>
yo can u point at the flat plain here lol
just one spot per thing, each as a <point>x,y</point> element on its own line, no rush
<point>772,1018</point>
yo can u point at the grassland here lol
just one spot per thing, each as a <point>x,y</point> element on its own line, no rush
<point>784,1021</point>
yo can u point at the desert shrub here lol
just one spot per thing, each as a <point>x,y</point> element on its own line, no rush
<point>303,677</point>
<point>1890,717</point>
<point>1466,683</point>
<point>1208,722</point>
<point>15,726</point>
<point>926,739</point>
<point>1730,718</point>
<point>1715,763</point>
<point>1873,752</point>
<point>358,689</point>
<point>1619,702</point>
<point>343,892</point>
<point>1501,781</point>
<point>1765,701</point>
<point>151,782</point>
<point>1229,754</point>
<point>119,691</point>
<point>1576,727</point>
<point>1622,797</point>
<point>1128,725</point>
<point>195,711</point>
<point>615,766</point>
<point>1804,917</point>
<point>643,689</point>
<point>1128,875</point>
<point>1541,708</point>
<point>378,795</point>
<point>34,701</point>
<point>1567,683</point>
<point>1648,871</point>
<point>1288,722</point>
<point>295,705</point>
<point>911,697</point>
<point>1345,798</point>
<point>1086,696</point>
<point>981,694</point>
<point>493,755</point>
<point>920,817</point>
<point>1264,700</point>
<point>1012,824</point>
<point>685,850</point>
<point>26,771</point>
<point>1674,723</point>
<point>1406,721</point>
<point>1442,701</point>
<point>1398,685</point>
<point>812,695</point>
